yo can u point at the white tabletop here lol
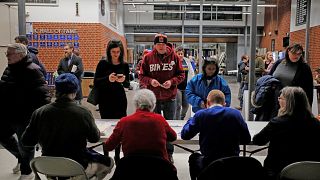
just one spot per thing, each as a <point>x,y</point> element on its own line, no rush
<point>106,126</point>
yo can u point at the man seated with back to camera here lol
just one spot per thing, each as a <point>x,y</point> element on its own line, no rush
<point>143,132</point>
<point>63,127</point>
<point>222,130</point>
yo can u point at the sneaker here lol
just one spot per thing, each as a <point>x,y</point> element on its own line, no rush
<point>26,176</point>
<point>16,169</point>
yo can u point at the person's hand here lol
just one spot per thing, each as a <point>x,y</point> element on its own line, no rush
<point>247,68</point>
<point>155,83</point>
<point>112,77</point>
<point>167,84</point>
<point>120,78</point>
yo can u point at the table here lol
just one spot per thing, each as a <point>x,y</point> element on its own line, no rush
<point>106,126</point>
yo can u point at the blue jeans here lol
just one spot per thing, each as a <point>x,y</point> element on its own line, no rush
<point>169,110</point>
<point>182,105</point>
<point>244,87</point>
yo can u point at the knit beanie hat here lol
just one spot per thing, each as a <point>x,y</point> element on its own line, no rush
<point>160,38</point>
<point>67,83</point>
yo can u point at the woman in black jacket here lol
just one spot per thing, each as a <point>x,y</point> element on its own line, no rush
<point>112,75</point>
<point>293,135</point>
<point>294,71</point>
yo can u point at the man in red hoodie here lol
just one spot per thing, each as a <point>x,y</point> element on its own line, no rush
<point>161,71</point>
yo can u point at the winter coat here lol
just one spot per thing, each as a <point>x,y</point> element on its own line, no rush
<point>23,89</point>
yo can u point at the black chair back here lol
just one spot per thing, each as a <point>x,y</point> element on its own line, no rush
<point>144,167</point>
<point>235,167</point>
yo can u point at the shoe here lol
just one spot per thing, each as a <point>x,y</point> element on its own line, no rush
<point>26,176</point>
<point>16,169</point>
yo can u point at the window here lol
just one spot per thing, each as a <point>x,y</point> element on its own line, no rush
<point>210,13</point>
<point>166,15</point>
<point>113,12</point>
<point>33,1</point>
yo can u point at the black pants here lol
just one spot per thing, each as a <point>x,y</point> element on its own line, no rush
<point>197,162</point>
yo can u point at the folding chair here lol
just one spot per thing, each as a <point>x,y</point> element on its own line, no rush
<point>234,167</point>
<point>57,167</point>
<point>304,170</point>
<point>144,167</point>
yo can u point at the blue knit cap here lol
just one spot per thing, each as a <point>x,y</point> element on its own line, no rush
<point>67,83</point>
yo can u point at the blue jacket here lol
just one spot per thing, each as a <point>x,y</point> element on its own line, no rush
<point>222,130</point>
<point>263,86</point>
<point>197,90</point>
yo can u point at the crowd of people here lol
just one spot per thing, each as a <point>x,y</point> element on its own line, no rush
<point>169,85</point>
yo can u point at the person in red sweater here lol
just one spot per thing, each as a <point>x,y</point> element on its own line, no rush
<point>144,131</point>
<point>161,71</point>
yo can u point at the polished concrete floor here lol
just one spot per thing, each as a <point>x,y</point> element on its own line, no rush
<point>7,161</point>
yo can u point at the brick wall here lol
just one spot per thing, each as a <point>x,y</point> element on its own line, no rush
<point>283,26</point>
<point>271,24</point>
<point>314,45</point>
<point>93,38</point>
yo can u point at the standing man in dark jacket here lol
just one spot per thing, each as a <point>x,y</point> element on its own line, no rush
<point>161,71</point>
<point>32,52</point>
<point>71,63</point>
<point>23,90</point>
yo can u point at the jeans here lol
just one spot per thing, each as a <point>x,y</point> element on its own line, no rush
<point>244,87</point>
<point>182,105</point>
<point>169,110</point>
<point>195,165</point>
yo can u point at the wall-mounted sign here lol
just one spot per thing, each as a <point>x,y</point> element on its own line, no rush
<point>62,37</point>
<point>55,31</point>
<point>42,37</point>
<point>53,38</point>
<point>69,37</point>
<point>301,13</point>
<point>49,37</point>
<point>35,36</point>
<point>56,37</point>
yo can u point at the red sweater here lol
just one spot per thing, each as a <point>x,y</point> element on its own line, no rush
<point>167,68</point>
<point>142,132</point>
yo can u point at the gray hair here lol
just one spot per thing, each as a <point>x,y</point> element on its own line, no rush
<point>296,102</point>
<point>144,99</point>
<point>19,48</point>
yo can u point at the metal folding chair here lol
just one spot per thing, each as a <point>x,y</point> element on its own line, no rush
<point>304,170</point>
<point>57,167</point>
